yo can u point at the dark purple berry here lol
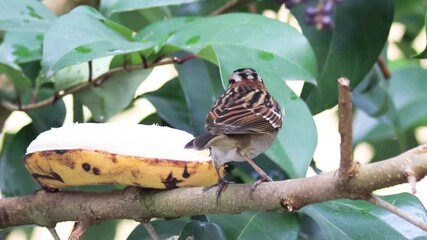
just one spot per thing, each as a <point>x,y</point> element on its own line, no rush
<point>327,22</point>
<point>288,3</point>
<point>309,20</point>
<point>327,8</point>
<point>311,11</point>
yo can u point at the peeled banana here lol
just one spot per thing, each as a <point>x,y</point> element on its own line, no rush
<point>107,153</point>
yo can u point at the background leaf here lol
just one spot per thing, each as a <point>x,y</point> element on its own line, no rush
<point>350,50</point>
<point>46,118</point>
<point>113,95</point>
<point>202,230</point>
<point>198,89</point>
<point>116,6</point>
<point>170,104</point>
<point>258,225</point>
<point>164,229</point>
<point>85,35</point>
<point>105,230</point>
<point>339,218</point>
<point>14,178</point>
<point>25,16</point>
<point>18,78</point>
<point>407,90</point>
<point>21,47</point>
<point>227,38</point>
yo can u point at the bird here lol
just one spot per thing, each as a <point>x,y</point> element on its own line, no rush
<point>242,124</point>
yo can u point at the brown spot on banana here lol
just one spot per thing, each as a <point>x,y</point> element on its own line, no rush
<point>170,182</point>
<point>185,174</point>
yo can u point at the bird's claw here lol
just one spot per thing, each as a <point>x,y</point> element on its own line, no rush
<point>263,178</point>
<point>222,185</point>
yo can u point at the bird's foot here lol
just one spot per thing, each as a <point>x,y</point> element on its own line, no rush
<point>263,178</point>
<point>222,185</point>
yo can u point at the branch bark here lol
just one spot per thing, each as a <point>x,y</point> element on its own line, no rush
<point>47,208</point>
<point>347,166</point>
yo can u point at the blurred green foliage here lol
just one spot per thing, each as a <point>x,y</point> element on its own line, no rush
<point>42,55</point>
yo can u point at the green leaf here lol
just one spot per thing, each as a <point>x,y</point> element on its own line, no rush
<point>201,230</point>
<point>15,180</point>
<point>243,40</point>
<point>408,92</point>
<point>105,230</point>
<point>371,95</point>
<point>170,104</point>
<point>350,49</point>
<point>78,74</point>
<point>116,6</point>
<point>160,32</point>
<point>164,229</point>
<point>85,35</point>
<point>25,16</point>
<point>18,78</point>
<point>69,76</point>
<point>348,219</point>
<point>21,47</point>
<point>408,88</point>
<point>423,54</point>
<point>115,94</point>
<point>47,117</point>
<point>258,225</point>
<point>197,87</point>
<point>297,140</point>
<point>368,128</point>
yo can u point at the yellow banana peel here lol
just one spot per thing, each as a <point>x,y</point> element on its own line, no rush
<point>94,154</point>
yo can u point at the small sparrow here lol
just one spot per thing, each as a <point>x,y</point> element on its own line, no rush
<point>242,124</point>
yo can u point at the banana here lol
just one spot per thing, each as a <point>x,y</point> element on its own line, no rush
<point>136,155</point>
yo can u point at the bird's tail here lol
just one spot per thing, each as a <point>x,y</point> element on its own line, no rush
<point>200,142</point>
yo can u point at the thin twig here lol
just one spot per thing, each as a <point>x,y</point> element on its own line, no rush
<point>151,231</point>
<point>90,75</point>
<point>393,209</point>
<point>185,58</point>
<point>345,129</point>
<point>95,82</point>
<point>227,6</point>
<point>54,233</point>
<point>383,67</point>
<point>80,227</point>
<point>412,180</point>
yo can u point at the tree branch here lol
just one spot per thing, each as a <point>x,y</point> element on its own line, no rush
<point>347,167</point>
<point>383,67</point>
<point>381,203</point>
<point>95,82</point>
<point>227,6</point>
<point>54,233</point>
<point>81,225</point>
<point>46,208</point>
<point>151,231</point>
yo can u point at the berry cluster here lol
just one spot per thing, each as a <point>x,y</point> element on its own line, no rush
<point>320,15</point>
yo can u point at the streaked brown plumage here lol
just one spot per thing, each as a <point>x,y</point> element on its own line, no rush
<point>242,123</point>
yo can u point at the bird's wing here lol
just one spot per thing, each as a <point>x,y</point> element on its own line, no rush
<point>249,112</point>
